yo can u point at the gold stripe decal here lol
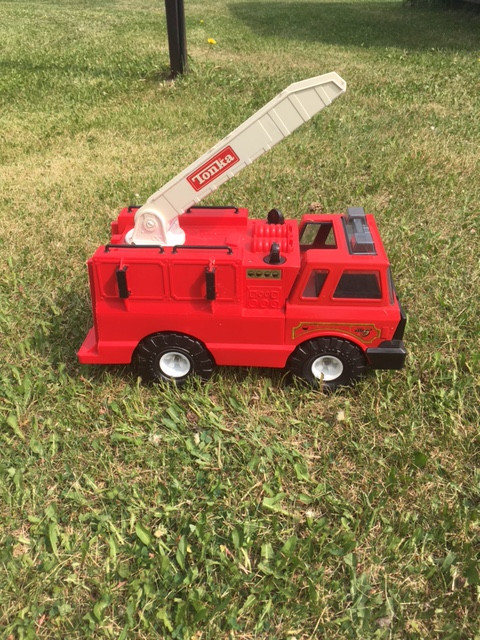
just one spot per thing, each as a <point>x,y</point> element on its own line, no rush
<point>366,333</point>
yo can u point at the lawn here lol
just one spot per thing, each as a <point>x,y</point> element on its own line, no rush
<point>246,507</point>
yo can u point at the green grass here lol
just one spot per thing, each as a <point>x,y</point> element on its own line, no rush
<point>245,508</point>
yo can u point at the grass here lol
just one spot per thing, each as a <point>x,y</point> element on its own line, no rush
<point>244,508</point>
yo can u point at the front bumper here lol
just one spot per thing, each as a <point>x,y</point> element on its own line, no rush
<point>390,354</point>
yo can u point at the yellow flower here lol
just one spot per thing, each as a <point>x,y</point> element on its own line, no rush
<point>211,41</point>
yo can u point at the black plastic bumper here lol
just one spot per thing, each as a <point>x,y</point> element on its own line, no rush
<point>390,354</point>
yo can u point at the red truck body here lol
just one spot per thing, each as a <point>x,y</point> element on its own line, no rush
<point>308,296</point>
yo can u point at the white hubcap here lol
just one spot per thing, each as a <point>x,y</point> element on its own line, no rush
<point>174,364</point>
<point>327,367</point>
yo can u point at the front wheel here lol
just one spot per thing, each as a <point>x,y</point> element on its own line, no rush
<point>327,362</point>
<point>172,357</point>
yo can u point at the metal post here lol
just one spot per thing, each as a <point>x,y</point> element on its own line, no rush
<point>177,42</point>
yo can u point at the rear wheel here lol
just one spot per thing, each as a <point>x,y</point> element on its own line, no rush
<point>172,357</point>
<point>327,362</point>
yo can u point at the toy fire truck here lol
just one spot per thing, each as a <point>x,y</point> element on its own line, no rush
<point>182,288</point>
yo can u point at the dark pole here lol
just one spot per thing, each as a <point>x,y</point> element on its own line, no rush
<point>177,42</point>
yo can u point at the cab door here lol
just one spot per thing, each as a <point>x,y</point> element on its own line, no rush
<point>339,301</point>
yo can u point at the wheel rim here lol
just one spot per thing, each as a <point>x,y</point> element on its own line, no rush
<point>327,368</point>
<point>174,364</point>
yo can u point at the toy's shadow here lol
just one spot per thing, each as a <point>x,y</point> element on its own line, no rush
<point>363,24</point>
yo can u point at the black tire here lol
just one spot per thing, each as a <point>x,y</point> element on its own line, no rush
<point>327,363</point>
<point>172,357</point>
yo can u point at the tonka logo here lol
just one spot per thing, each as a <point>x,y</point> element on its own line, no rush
<point>225,159</point>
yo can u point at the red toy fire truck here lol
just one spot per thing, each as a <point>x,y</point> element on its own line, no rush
<point>180,295</point>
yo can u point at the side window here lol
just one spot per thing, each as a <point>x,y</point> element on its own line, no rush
<point>359,284</point>
<point>318,235</point>
<point>315,283</point>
